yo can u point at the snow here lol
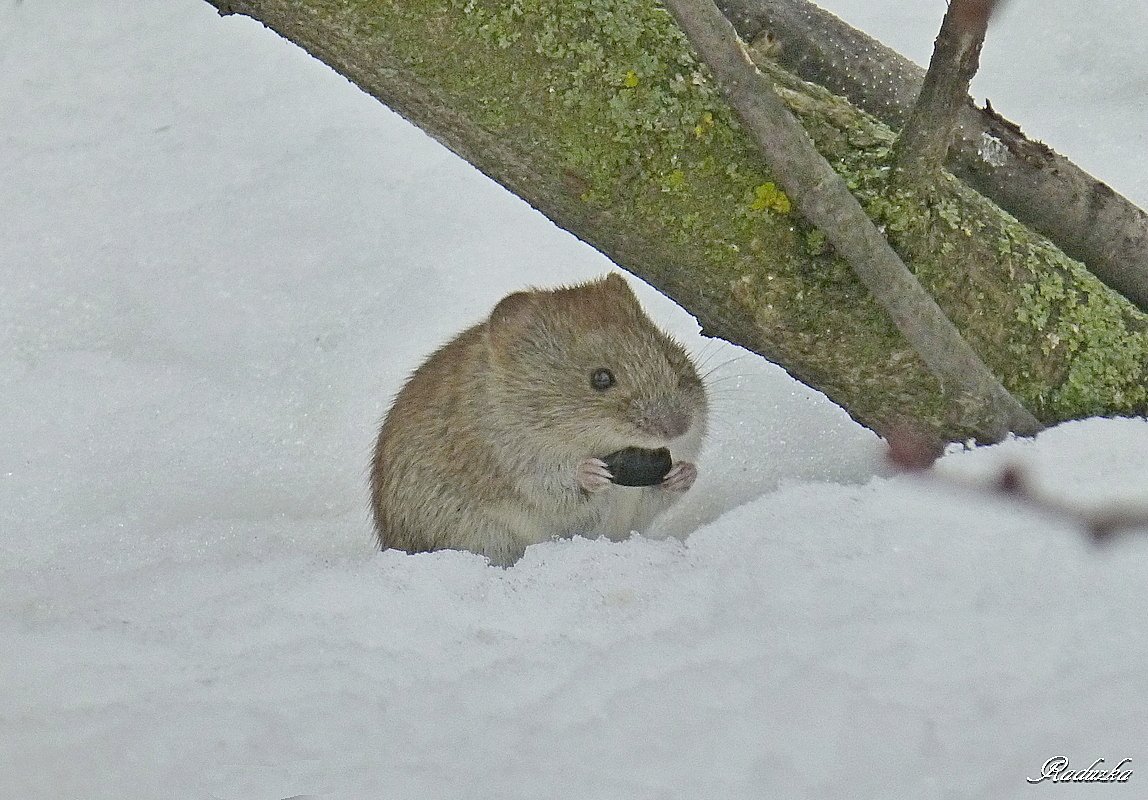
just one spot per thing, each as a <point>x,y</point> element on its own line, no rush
<point>219,261</point>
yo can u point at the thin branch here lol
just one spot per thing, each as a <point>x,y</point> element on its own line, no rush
<point>923,146</point>
<point>914,454</point>
<point>825,200</point>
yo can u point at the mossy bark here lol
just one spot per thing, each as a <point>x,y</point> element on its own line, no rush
<point>597,113</point>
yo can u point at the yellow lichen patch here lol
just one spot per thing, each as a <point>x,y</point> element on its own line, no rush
<point>767,195</point>
<point>675,180</point>
<point>703,126</point>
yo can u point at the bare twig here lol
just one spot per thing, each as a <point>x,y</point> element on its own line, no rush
<point>912,453</point>
<point>1043,189</point>
<point>825,200</point>
<point>923,146</point>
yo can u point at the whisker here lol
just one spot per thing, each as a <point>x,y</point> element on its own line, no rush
<point>705,375</point>
<point>705,355</point>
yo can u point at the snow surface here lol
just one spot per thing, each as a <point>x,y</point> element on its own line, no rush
<point>218,262</point>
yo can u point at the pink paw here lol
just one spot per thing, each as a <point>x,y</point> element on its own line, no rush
<point>680,477</point>
<point>593,475</point>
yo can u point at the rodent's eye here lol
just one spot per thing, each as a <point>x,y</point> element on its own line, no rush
<point>602,379</point>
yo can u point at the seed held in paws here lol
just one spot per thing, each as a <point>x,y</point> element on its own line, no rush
<point>637,466</point>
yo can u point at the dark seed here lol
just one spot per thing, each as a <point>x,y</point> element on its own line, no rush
<point>636,466</point>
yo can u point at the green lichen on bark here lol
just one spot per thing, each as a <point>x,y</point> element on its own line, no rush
<point>1101,339</point>
<point>627,140</point>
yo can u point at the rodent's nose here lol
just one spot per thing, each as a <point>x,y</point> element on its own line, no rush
<point>676,424</point>
<point>664,423</point>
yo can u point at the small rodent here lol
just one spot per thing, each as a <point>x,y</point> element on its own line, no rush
<point>496,442</point>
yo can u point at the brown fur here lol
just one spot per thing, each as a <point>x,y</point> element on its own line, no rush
<point>480,449</point>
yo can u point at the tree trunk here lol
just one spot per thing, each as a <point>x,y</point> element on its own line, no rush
<point>598,114</point>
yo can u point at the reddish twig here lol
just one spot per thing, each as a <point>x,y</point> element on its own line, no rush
<point>912,453</point>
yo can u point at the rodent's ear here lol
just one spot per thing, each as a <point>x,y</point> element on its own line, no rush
<point>512,313</point>
<point>616,284</point>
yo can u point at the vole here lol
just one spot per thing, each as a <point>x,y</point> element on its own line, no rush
<point>497,441</point>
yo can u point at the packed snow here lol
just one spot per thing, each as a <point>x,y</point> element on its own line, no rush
<point>218,262</point>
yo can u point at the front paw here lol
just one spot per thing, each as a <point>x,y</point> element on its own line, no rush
<point>592,475</point>
<point>680,477</point>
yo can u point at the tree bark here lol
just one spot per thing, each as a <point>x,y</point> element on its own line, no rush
<point>1084,217</point>
<point>599,115</point>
